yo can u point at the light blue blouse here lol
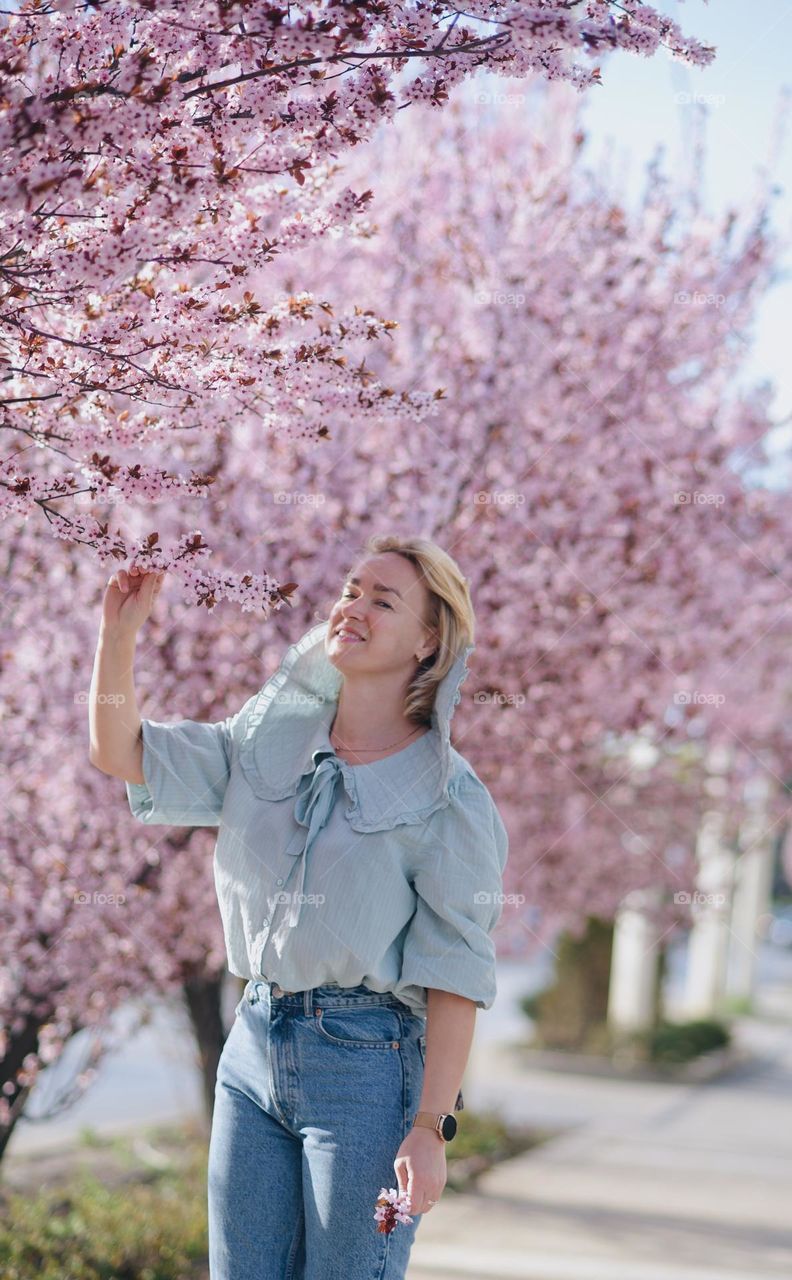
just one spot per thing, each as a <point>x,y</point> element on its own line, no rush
<point>399,888</point>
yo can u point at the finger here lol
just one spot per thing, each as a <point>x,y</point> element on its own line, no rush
<point>402,1176</point>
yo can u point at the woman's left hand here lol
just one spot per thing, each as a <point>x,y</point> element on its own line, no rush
<point>421,1171</point>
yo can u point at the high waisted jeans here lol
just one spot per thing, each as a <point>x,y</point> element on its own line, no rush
<point>316,1091</point>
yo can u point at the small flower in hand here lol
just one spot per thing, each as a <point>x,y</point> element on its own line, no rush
<point>391,1208</point>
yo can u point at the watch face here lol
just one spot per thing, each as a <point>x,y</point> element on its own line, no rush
<point>448,1128</point>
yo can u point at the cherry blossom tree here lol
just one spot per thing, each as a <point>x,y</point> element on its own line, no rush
<point>155,159</point>
<point>590,467</point>
<point>586,465</point>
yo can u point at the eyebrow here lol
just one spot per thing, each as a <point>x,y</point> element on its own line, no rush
<point>378,586</point>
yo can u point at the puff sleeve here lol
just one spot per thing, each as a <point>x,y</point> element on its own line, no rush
<point>186,766</point>
<point>458,884</point>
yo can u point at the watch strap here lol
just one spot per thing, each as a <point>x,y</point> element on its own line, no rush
<point>430,1120</point>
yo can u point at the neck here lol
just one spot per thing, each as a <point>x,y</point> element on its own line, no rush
<point>370,713</point>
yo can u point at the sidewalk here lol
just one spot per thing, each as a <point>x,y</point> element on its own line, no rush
<point>648,1181</point>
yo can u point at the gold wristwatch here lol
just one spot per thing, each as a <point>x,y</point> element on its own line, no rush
<point>444,1125</point>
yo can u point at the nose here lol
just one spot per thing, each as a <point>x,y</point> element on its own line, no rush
<point>351,615</point>
<point>351,612</point>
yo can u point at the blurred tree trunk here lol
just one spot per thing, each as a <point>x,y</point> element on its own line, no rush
<point>19,1046</point>
<point>572,1013</point>
<point>204,997</point>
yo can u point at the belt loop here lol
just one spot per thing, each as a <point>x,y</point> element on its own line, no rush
<point>308,1001</point>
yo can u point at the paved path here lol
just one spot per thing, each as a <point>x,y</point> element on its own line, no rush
<point>647,1182</point>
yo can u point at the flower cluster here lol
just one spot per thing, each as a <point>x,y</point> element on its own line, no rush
<point>391,1209</point>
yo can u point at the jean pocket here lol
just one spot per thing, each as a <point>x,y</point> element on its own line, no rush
<point>368,1027</point>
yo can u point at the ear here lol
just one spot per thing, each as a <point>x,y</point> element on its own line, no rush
<point>429,647</point>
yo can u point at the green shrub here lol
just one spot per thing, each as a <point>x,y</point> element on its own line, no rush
<point>683,1041</point>
<point>530,1004</point>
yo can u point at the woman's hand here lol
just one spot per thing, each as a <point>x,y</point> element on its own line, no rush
<point>421,1170</point>
<point>129,599</point>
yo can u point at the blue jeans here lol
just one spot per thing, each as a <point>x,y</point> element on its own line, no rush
<point>316,1091</point>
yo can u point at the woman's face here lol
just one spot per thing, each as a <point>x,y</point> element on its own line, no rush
<point>383,603</point>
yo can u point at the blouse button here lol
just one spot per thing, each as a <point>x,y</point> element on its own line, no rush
<point>280,881</point>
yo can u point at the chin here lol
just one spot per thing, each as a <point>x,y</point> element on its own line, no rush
<point>338,655</point>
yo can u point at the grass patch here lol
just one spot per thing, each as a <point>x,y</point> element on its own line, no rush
<point>134,1222</point>
<point>482,1140</point>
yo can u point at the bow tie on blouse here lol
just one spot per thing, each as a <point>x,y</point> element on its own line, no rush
<point>314,804</point>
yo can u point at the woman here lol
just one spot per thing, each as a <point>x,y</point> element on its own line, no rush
<point>358,870</point>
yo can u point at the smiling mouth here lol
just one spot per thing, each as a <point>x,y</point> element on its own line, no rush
<point>351,637</point>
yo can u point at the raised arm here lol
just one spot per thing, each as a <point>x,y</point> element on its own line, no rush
<point>116,744</point>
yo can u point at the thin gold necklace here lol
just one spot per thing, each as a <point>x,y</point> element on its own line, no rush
<point>360,750</point>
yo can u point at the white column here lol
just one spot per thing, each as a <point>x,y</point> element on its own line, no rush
<point>705,980</point>
<point>753,883</point>
<point>633,975</point>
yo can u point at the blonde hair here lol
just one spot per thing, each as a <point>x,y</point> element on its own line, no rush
<point>450,614</point>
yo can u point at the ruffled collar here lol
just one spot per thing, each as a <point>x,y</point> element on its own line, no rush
<point>286,733</point>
